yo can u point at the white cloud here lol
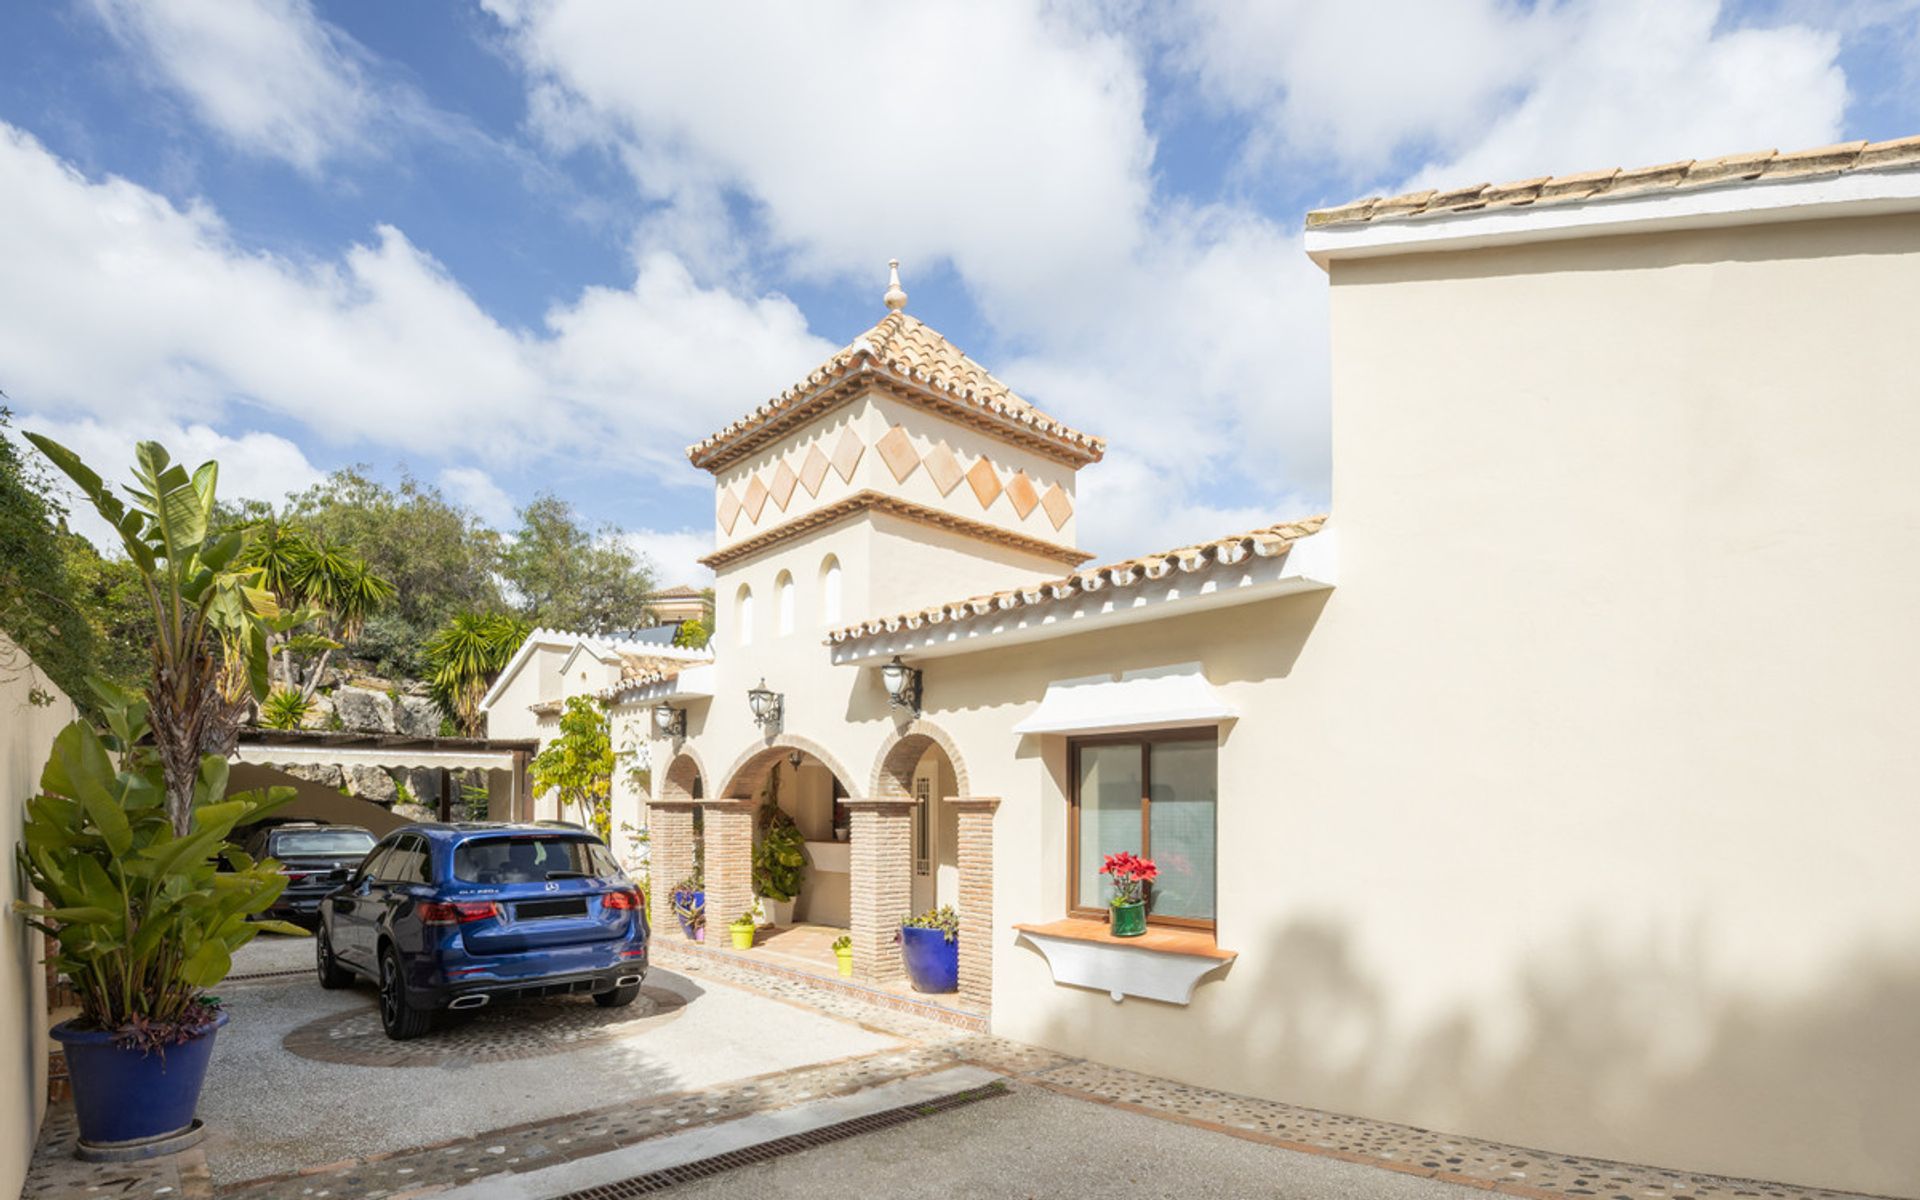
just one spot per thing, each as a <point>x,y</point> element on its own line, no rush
<point>1486,90</point>
<point>119,306</point>
<point>267,74</point>
<point>1635,82</point>
<point>675,554</point>
<point>253,465</point>
<point>475,489</point>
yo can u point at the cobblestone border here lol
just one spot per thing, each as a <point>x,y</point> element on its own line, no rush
<point>689,955</point>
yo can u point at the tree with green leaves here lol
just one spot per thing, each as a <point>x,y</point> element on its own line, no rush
<point>210,614</point>
<point>565,575</point>
<point>577,765</point>
<point>463,658</point>
<point>692,634</point>
<point>440,559</point>
<point>42,604</point>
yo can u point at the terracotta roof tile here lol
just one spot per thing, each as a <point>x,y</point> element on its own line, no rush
<point>910,352</point>
<point>1752,166</point>
<point>1265,543</point>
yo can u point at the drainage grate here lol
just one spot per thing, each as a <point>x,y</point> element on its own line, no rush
<point>659,1181</point>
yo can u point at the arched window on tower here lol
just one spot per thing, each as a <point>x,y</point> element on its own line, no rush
<point>830,592</point>
<point>743,616</point>
<point>783,601</point>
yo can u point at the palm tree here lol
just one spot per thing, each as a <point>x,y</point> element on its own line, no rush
<point>464,656</point>
<point>314,582</point>
<point>343,588</point>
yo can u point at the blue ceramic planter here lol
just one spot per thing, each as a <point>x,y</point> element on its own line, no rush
<point>124,1096</point>
<point>933,962</point>
<point>690,899</point>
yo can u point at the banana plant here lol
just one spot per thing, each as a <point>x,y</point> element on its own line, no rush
<point>211,613</point>
<point>143,919</point>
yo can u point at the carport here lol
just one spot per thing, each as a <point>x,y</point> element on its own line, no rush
<point>504,760</point>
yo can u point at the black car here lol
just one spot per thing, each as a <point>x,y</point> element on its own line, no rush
<point>313,857</point>
<point>460,916</point>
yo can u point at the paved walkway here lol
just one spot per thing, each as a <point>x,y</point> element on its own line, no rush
<point>1070,1127</point>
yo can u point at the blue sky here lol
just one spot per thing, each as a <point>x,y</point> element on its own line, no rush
<point>515,245</point>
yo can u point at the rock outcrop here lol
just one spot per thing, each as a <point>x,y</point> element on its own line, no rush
<point>364,710</point>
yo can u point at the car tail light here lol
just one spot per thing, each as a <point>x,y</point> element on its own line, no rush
<point>455,912</point>
<point>617,901</point>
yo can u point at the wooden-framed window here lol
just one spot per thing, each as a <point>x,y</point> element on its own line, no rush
<point>1154,794</point>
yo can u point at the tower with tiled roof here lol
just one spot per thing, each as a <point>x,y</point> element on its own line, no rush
<point>897,470</point>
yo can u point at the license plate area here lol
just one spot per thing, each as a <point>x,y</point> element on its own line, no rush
<point>541,910</point>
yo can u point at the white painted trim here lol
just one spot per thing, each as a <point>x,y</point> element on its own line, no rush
<point>1741,202</point>
<point>549,639</point>
<point>1153,698</point>
<point>1122,971</point>
<point>694,683</point>
<point>1310,565</point>
<point>398,759</point>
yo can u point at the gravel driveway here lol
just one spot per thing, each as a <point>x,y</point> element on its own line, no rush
<point>302,1077</point>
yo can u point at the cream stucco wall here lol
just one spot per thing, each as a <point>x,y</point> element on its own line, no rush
<point>27,730</point>
<point>1581,815</point>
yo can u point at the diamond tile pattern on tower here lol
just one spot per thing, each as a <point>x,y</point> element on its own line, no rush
<point>985,482</point>
<point>896,450</point>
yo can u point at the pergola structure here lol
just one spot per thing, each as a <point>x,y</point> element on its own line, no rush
<point>504,759</point>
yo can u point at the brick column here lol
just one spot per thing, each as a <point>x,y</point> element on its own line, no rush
<point>669,859</point>
<point>729,842</point>
<point>976,897</point>
<point>882,883</point>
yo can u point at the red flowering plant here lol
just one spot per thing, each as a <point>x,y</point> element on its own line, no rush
<point>1131,874</point>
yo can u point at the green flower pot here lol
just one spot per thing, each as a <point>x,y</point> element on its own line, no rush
<point>1129,920</point>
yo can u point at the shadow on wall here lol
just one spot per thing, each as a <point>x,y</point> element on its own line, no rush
<point>1628,1056</point>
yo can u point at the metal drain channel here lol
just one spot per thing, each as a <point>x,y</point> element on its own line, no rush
<point>661,1180</point>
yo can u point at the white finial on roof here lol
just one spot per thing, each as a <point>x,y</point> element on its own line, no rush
<point>896,296</point>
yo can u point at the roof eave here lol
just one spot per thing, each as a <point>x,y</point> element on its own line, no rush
<point>1070,446</point>
<point>1306,564</point>
<point>1732,203</point>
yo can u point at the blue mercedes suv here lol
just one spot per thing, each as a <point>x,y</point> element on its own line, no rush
<point>460,916</point>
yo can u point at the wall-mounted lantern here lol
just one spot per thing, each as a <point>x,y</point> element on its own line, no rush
<point>670,721</point>
<point>903,685</point>
<point>766,705</point>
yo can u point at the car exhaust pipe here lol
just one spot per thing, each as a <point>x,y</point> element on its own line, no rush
<point>628,980</point>
<point>477,1000</point>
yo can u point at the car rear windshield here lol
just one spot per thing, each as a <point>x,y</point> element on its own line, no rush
<point>531,859</point>
<point>322,841</point>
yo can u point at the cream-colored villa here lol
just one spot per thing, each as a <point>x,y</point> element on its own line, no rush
<point>1562,787</point>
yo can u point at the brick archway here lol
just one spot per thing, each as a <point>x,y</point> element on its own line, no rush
<point>893,770</point>
<point>893,801</point>
<point>749,771</point>
<point>685,778</point>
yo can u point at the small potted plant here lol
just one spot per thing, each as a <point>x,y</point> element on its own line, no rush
<point>741,930</point>
<point>930,947</point>
<point>843,955</point>
<point>690,907</point>
<point>1128,909</point>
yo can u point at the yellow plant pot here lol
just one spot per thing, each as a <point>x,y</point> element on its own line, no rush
<point>742,936</point>
<point>844,959</point>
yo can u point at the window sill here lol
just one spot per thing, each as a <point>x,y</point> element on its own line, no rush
<point>1162,964</point>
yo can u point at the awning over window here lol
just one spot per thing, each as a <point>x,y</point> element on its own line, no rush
<point>1156,698</point>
